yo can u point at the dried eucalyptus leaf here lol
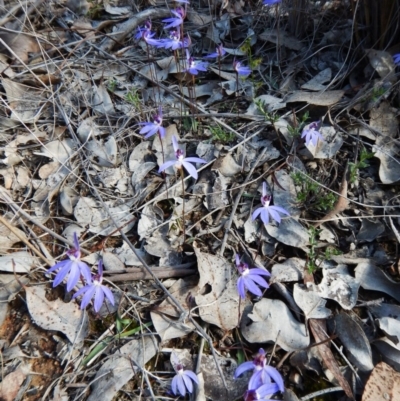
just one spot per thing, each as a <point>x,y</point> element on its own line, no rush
<point>8,238</point>
<point>383,384</point>
<point>219,306</point>
<point>388,317</point>
<point>324,98</point>
<point>19,262</point>
<point>112,262</point>
<point>270,320</point>
<point>57,315</point>
<point>355,341</point>
<point>388,351</point>
<point>271,103</point>
<point>327,148</point>
<point>168,328</point>
<point>290,270</point>
<point>337,284</point>
<point>372,278</point>
<point>310,303</point>
<point>91,213</point>
<point>384,120</point>
<point>289,232</point>
<point>121,367</point>
<point>316,83</point>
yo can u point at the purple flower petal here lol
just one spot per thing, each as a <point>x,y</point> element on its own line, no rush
<point>194,160</point>
<point>258,272</point>
<point>85,271</point>
<point>89,292</point>
<point>76,242</point>
<point>162,131</point>
<point>73,277</point>
<point>181,385</point>
<point>252,286</point>
<point>174,384</point>
<point>256,213</point>
<point>245,366</point>
<point>264,216</point>
<point>190,169</point>
<point>259,280</point>
<point>192,375</point>
<point>266,391</point>
<point>175,143</point>
<point>59,265</point>
<point>98,298</point>
<point>165,165</point>
<point>274,214</point>
<point>240,287</point>
<point>237,259</point>
<point>108,294</point>
<point>188,382</point>
<point>276,377</point>
<point>255,380</point>
<point>62,273</point>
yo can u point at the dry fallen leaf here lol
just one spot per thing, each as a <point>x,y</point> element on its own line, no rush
<point>11,384</point>
<point>57,315</point>
<point>220,304</point>
<point>121,367</point>
<point>19,43</point>
<point>383,384</point>
<point>327,98</point>
<point>270,320</point>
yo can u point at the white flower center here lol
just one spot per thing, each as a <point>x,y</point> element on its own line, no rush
<point>246,271</point>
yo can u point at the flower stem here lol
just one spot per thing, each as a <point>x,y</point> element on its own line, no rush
<point>183,206</point>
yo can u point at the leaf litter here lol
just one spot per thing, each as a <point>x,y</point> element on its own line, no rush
<point>73,161</point>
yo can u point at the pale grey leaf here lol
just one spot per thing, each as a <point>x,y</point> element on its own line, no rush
<point>316,83</point>
<point>112,262</point>
<point>356,342</point>
<point>310,303</point>
<point>389,352</point>
<point>168,328</point>
<point>121,367</point>
<point>384,120</point>
<point>101,100</point>
<point>271,104</point>
<point>289,232</point>
<point>227,166</point>
<point>270,320</point>
<point>372,278</point>
<point>220,306</point>
<point>20,262</point>
<point>337,284</point>
<point>290,270</point>
<point>388,317</point>
<point>324,98</point>
<point>57,315</point>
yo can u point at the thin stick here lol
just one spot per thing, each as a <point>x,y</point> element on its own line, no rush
<point>321,392</point>
<point>183,205</point>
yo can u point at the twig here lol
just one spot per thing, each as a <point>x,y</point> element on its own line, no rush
<point>320,392</point>
<point>141,274</point>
